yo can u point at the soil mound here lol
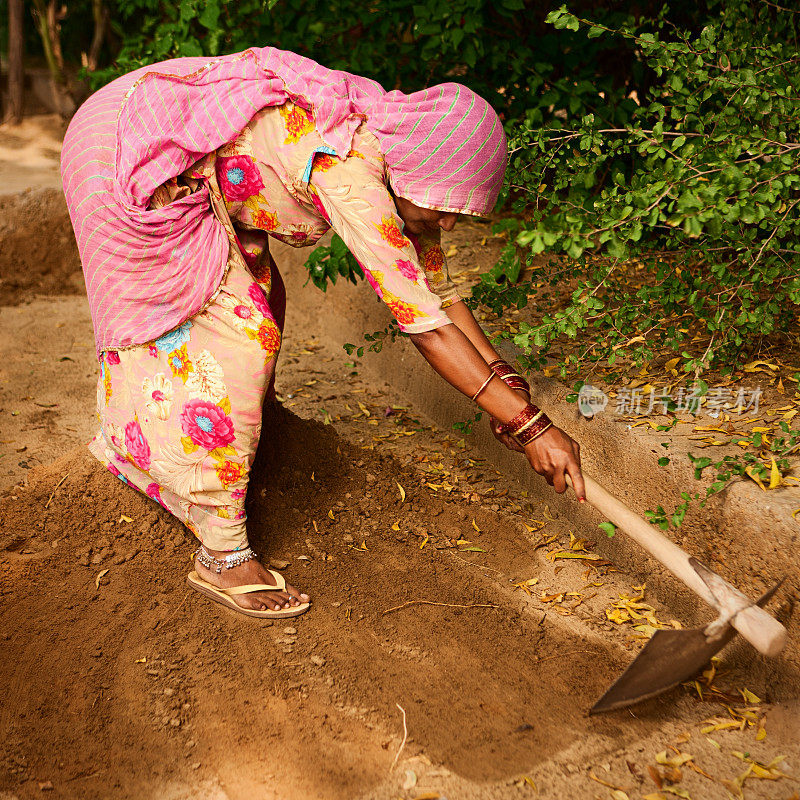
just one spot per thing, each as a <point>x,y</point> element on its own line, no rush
<point>118,680</point>
<point>38,253</point>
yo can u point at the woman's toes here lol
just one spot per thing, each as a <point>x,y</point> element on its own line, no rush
<point>278,600</point>
<point>287,599</point>
<point>297,597</point>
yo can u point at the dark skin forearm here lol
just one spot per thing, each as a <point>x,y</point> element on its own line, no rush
<point>461,315</point>
<point>458,361</point>
<point>460,357</point>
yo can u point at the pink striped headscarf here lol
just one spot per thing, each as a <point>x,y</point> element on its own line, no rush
<point>148,270</point>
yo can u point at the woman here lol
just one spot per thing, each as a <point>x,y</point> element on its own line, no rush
<point>176,176</point>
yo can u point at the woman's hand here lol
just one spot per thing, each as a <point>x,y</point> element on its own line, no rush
<point>554,455</point>
<point>496,428</point>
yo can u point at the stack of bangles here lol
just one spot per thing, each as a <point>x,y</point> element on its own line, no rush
<point>510,376</point>
<point>531,422</point>
<point>528,425</point>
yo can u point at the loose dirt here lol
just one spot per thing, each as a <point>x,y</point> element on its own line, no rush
<point>39,254</point>
<point>120,682</point>
<point>452,651</point>
<point>123,683</point>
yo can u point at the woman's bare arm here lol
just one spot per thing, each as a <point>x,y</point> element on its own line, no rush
<point>463,318</point>
<point>459,361</point>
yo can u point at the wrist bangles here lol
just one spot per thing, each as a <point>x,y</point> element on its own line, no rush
<point>510,376</point>
<point>531,422</point>
<point>528,425</point>
<point>483,386</point>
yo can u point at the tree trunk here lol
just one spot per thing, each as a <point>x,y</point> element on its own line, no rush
<point>43,27</point>
<point>100,20</point>
<point>48,27</point>
<point>54,31</point>
<point>16,75</point>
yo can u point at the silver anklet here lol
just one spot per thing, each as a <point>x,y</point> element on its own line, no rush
<point>230,561</point>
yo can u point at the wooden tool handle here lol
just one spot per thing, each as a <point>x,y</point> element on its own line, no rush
<point>763,631</point>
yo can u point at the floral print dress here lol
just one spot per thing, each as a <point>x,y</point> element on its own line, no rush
<point>180,417</point>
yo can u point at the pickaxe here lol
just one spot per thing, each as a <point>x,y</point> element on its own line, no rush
<point>673,656</point>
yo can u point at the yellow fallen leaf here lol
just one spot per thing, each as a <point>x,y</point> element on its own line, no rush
<point>539,525</point>
<point>758,366</point>
<point>654,796</point>
<point>769,772</point>
<point>749,697</point>
<point>618,794</point>
<point>774,476</point>
<point>402,492</point>
<point>755,476</point>
<point>575,543</point>
<point>330,514</point>
<point>525,585</point>
<point>451,251</point>
<point>140,661</point>
<point>99,575</point>
<point>761,734</point>
<point>709,428</point>
<point>364,409</point>
<point>475,525</point>
<point>558,554</point>
<point>396,526</point>
<point>424,541</point>
<point>795,513</point>
<point>707,441</point>
<point>672,363</point>
<point>605,783</point>
<point>673,761</point>
<point>123,518</point>
<point>617,615</point>
<point>677,792</point>
<point>717,725</point>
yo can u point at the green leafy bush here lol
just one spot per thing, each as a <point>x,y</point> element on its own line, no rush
<point>673,211</point>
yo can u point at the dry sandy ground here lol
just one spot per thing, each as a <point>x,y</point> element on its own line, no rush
<point>452,651</point>
<point>126,685</point>
<point>29,154</point>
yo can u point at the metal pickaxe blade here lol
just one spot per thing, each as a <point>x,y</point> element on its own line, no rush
<point>669,658</point>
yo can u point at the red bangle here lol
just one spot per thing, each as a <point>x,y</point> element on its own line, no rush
<point>534,432</point>
<point>509,376</point>
<point>528,425</point>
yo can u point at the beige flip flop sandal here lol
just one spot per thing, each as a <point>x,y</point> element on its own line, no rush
<point>225,596</point>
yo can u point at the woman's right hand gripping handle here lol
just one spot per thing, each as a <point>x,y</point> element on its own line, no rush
<point>554,455</point>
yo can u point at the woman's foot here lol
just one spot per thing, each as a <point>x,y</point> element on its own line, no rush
<point>252,571</point>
